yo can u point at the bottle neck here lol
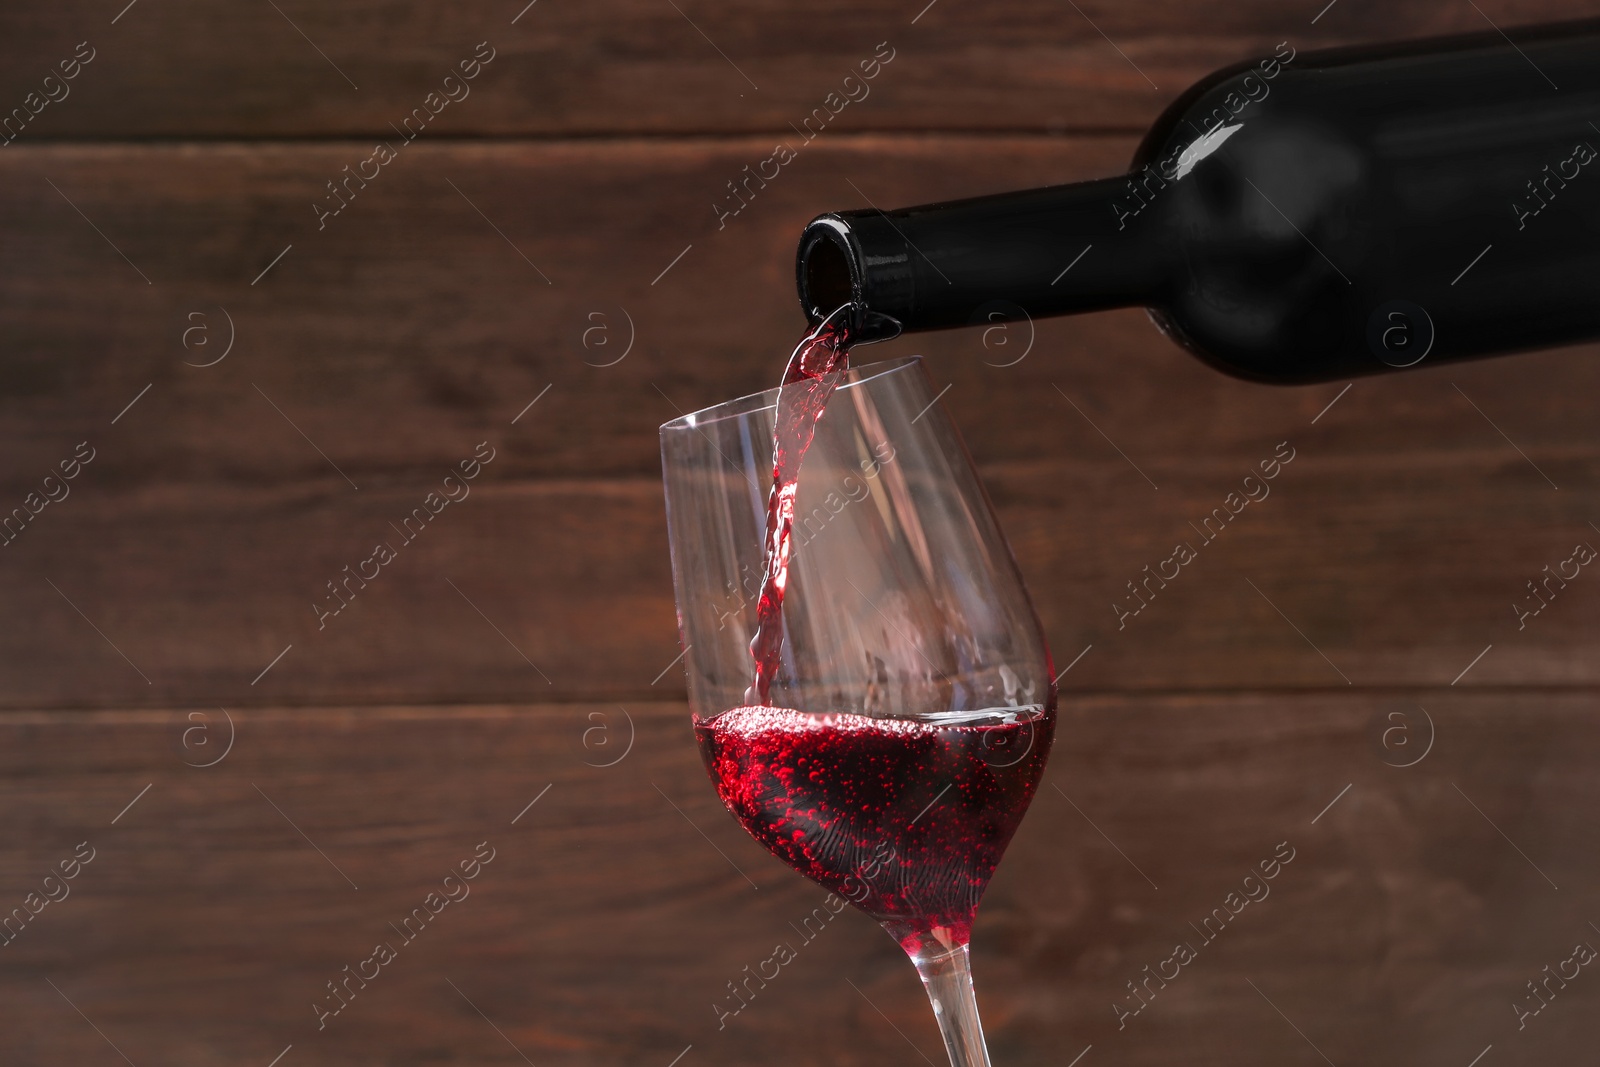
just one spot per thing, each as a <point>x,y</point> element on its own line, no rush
<point>1040,252</point>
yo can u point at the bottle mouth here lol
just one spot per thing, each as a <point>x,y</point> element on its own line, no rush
<point>825,269</point>
<point>829,275</point>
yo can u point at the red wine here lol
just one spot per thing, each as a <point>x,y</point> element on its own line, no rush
<point>815,369</point>
<point>1306,216</point>
<point>905,818</point>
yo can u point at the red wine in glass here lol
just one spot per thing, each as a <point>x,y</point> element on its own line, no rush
<point>905,818</point>
<point>839,797</point>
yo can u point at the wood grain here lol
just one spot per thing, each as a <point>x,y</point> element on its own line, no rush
<point>384,348</point>
<point>189,69</point>
<point>481,289</point>
<point>607,923</point>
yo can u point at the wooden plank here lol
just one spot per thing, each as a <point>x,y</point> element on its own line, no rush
<point>534,591</point>
<point>192,69</point>
<point>607,924</point>
<point>408,325</point>
<point>386,347</point>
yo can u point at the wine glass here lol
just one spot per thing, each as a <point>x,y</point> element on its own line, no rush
<point>907,725</point>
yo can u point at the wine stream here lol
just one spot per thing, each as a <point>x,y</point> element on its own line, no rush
<point>815,369</point>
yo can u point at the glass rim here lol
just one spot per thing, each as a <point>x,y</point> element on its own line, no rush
<point>768,398</point>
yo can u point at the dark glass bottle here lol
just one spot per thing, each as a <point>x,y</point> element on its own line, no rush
<point>1304,217</point>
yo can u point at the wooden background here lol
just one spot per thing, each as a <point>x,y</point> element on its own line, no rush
<point>522,648</point>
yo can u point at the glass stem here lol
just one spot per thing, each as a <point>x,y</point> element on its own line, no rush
<point>948,979</point>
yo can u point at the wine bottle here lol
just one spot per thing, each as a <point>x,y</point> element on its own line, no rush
<point>1307,216</point>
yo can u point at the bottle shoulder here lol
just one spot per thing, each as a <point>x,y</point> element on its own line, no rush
<point>1295,212</point>
<point>1402,97</point>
